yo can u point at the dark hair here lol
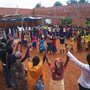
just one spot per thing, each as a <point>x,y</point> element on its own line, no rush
<point>36,60</point>
<point>2,46</point>
<point>10,50</point>
<point>3,40</point>
<point>66,44</point>
<point>88,58</point>
<point>79,36</point>
<point>72,36</point>
<point>41,38</point>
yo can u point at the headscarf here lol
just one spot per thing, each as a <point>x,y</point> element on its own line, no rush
<point>59,66</point>
<point>18,55</point>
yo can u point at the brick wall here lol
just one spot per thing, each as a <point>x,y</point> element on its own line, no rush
<point>78,13</point>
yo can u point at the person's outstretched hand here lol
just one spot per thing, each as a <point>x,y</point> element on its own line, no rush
<point>28,51</point>
<point>17,46</point>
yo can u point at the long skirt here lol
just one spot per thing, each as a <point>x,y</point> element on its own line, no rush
<point>25,43</point>
<point>49,46</point>
<point>56,85</point>
<point>54,49</point>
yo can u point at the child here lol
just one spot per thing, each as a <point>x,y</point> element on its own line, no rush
<point>35,73</point>
<point>89,42</point>
<point>57,70</point>
<point>34,42</point>
<point>41,45</point>
<point>71,43</point>
<point>79,43</point>
<point>62,42</point>
<point>28,37</point>
<point>83,41</point>
<point>49,44</point>
<point>66,47</point>
<point>25,40</point>
<point>86,41</point>
<point>54,49</point>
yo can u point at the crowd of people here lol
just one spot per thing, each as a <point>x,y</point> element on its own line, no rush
<point>45,37</point>
<point>50,34</point>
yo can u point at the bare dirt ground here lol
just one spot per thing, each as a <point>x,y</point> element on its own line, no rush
<point>71,75</point>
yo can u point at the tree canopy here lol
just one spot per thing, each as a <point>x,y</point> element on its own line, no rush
<point>39,5</point>
<point>57,3</point>
<point>83,1</point>
<point>71,2</point>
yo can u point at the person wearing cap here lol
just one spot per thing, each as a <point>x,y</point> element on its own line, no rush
<point>84,80</point>
<point>57,71</point>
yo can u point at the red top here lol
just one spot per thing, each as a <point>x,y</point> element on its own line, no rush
<point>54,42</point>
<point>34,39</point>
<point>57,74</point>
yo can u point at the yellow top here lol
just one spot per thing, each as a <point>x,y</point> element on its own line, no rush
<point>78,32</point>
<point>82,39</point>
<point>72,40</point>
<point>28,38</point>
<point>34,73</point>
<point>89,38</point>
<point>86,38</point>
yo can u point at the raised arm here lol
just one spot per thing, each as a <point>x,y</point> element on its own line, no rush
<point>48,61</point>
<point>66,62</point>
<point>17,47</point>
<point>76,61</point>
<point>26,55</point>
<point>44,56</point>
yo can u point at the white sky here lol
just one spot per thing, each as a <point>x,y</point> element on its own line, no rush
<point>28,3</point>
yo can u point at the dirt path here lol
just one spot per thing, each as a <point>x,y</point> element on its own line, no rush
<point>71,75</point>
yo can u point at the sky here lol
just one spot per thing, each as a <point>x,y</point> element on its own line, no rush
<point>28,3</point>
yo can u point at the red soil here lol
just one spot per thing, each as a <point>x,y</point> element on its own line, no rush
<point>71,75</point>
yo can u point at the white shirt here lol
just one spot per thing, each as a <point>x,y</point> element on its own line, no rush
<point>84,79</point>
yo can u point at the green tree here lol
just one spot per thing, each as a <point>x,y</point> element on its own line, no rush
<point>83,1</point>
<point>69,2</point>
<point>57,3</point>
<point>38,5</point>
